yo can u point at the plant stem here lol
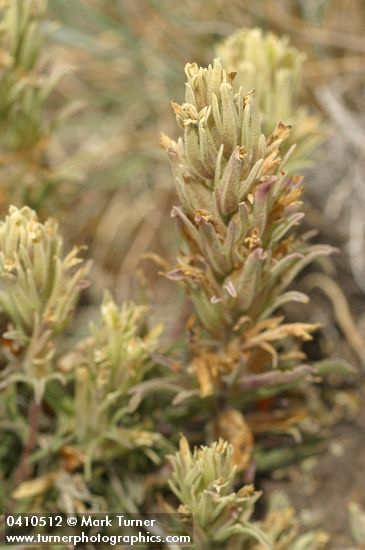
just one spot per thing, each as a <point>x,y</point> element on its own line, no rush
<point>23,470</point>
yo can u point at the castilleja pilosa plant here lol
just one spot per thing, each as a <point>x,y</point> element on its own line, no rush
<point>238,214</point>
<point>90,419</point>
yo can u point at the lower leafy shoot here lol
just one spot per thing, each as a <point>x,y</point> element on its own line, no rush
<point>98,434</point>
<point>108,363</point>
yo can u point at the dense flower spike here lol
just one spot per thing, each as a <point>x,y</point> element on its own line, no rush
<point>203,482</point>
<point>39,287</point>
<point>269,65</point>
<point>237,214</point>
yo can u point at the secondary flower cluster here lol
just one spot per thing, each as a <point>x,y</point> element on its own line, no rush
<point>267,64</point>
<point>39,287</point>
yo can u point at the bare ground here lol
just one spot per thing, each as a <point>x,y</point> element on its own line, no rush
<point>321,488</point>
